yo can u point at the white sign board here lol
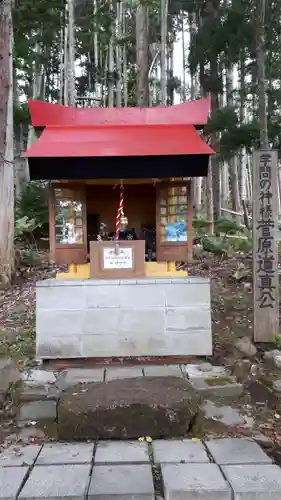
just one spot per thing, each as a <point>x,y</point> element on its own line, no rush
<point>120,258</point>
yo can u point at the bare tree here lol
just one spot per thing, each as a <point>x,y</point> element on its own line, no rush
<point>71,53</point>
<point>111,65</point>
<point>260,54</point>
<point>142,55</point>
<point>233,164</point>
<point>125,62</point>
<point>163,51</point>
<point>65,57</point>
<point>6,144</point>
<point>118,52</point>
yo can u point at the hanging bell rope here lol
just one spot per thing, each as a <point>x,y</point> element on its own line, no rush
<point>120,212</point>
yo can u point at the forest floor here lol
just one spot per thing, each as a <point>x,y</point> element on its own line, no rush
<point>232,318</point>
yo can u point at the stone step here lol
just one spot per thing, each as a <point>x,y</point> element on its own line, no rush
<point>124,408</point>
<point>47,396</point>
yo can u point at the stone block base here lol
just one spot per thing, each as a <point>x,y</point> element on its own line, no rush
<point>123,318</point>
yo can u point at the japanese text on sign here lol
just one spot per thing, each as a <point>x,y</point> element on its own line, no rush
<point>265,227</point>
<point>122,259</point>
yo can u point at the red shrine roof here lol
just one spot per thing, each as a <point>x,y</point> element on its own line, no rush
<point>127,140</point>
<point>44,114</point>
<point>124,132</point>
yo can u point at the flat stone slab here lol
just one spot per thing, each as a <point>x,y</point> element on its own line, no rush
<point>57,482</point>
<point>160,371</point>
<point>232,451</point>
<point>213,386</point>
<point>128,408</point>
<point>179,451</point>
<point>126,372</point>
<point>39,393</point>
<point>18,456</point>
<point>38,377</point>
<point>121,452</point>
<point>254,482</point>
<point>223,414</point>
<point>38,410</point>
<point>66,453</point>
<point>204,369</point>
<point>194,482</point>
<point>11,480</point>
<point>74,376</point>
<point>121,481</point>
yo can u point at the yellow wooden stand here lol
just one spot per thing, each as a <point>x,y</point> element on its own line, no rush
<point>152,269</point>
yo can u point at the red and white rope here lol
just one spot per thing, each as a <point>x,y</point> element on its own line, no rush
<point>120,212</point>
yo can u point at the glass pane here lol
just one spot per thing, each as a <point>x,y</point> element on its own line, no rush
<point>175,223</point>
<point>68,217</point>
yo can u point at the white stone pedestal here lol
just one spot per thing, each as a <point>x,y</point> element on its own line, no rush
<point>120,318</point>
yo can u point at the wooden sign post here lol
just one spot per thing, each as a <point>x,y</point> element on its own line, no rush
<point>265,246</point>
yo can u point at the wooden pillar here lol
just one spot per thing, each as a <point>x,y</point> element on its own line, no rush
<point>189,221</point>
<point>265,246</point>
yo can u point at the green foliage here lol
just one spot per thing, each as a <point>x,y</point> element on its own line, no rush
<point>25,226</point>
<point>32,209</point>
<point>222,119</point>
<point>227,226</point>
<point>27,257</point>
<point>21,114</point>
<point>200,226</point>
<point>277,341</point>
<point>241,244</point>
<point>216,245</point>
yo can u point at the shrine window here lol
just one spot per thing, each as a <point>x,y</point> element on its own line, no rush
<point>173,207</point>
<point>68,217</point>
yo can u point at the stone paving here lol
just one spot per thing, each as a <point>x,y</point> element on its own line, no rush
<point>219,469</point>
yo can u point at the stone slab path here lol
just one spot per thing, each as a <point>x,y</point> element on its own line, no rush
<point>218,469</point>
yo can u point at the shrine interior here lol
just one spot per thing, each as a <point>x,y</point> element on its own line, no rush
<point>139,206</point>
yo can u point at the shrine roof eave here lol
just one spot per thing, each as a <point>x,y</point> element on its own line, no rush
<point>44,114</point>
<point>115,141</point>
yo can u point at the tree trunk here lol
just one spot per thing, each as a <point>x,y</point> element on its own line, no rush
<point>61,72</point>
<point>65,58</point>
<point>192,31</point>
<point>163,62</point>
<point>6,144</point>
<point>233,164</point>
<point>71,54</point>
<point>125,62</point>
<point>142,56</point>
<point>21,169</point>
<point>97,87</point>
<point>183,90</point>
<point>260,54</point>
<point>242,167</point>
<point>110,67</point>
<point>210,203</point>
<point>214,159</point>
<point>118,54</point>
